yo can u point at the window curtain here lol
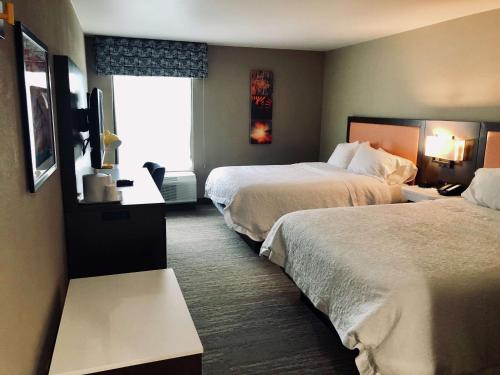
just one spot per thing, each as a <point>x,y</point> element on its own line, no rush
<point>149,57</point>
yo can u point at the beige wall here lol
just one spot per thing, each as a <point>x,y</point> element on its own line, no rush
<point>448,71</point>
<point>225,112</point>
<point>32,261</point>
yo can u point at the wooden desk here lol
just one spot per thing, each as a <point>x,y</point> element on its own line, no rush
<point>135,323</point>
<point>102,238</point>
<point>109,238</point>
<point>144,190</point>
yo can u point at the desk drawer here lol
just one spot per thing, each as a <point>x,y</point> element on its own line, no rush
<point>116,241</point>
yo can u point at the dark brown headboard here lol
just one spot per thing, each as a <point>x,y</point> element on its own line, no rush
<point>400,137</point>
<point>488,155</point>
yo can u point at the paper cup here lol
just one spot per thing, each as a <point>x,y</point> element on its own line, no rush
<point>110,193</point>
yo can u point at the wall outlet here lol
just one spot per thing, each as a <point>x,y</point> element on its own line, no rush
<point>2,33</point>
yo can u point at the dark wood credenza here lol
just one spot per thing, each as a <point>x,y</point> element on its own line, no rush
<point>109,238</point>
<point>103,238</point>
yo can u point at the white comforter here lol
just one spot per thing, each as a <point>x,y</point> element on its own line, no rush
<point>256,196</point>
<point>415,287</point>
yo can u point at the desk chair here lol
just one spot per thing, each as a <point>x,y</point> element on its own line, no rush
<point>157,172</point>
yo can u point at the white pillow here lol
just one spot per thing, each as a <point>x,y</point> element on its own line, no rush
<point>343,154</point>
<point>405,171</point>
<point>370,162</point>
<point>484,189</point>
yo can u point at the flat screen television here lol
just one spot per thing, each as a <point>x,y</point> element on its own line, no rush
<point>95,118</point>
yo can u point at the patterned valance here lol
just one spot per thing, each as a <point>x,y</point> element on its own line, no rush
<point>149,57</point>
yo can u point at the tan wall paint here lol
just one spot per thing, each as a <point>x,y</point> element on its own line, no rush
<point>225,112</point>
<point>32,257</point>
<point>448,71</point>
<point>221,105</point>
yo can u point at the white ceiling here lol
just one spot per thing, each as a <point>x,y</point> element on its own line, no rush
<point>292,24</point>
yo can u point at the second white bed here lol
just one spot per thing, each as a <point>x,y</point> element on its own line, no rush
<point>256,196</point>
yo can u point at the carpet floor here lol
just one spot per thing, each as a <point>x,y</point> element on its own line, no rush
<point>248,313</point>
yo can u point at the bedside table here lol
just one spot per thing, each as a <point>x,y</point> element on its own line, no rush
<point>415,193</point>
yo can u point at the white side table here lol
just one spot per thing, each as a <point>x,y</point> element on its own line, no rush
<point>413,193</point>
<point>132,323</point>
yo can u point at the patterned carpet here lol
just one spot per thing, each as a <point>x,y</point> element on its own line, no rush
<point>249,314</point>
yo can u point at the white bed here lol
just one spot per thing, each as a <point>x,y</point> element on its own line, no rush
<point>414,287</point>
<point>254,197</point>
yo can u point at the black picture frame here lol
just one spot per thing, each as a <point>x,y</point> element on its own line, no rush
<point>2,22</point>
<point>33,69</point>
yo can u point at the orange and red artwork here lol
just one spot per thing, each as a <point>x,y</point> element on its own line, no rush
<point>261,106</point>
<point>261,132</point>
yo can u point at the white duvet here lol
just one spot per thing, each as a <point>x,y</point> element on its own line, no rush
<point>256,196</point>
<point>414,287</point>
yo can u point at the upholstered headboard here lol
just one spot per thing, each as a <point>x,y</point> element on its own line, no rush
<point>489,146</point>
<point>400,137</point>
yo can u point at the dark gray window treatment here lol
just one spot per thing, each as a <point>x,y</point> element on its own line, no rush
<point>149,57</point>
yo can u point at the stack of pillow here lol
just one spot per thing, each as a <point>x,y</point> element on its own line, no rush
<point>363,159</point>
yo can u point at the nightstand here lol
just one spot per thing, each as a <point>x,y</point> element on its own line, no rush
<point>417,194</point>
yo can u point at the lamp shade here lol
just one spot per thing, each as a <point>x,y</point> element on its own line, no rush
<point>447,148</point>
<point>111,141</point>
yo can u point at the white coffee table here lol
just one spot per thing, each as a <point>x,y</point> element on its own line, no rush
<point>128,323</point>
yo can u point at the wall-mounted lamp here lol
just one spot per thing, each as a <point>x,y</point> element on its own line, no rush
<point>445,151</point>
<point>7,15</point>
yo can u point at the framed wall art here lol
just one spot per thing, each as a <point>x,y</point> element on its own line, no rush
<point>2,32</point>
<point>261,107</point>
<point>36,106</point>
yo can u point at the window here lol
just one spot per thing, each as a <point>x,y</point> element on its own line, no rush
<point>153,120</point>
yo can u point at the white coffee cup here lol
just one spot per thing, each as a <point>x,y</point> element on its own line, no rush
<point>93,186</point>
<point>110,193</point>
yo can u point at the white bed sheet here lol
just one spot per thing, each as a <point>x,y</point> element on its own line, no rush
<point>414,287</point>
<point>256,196</point>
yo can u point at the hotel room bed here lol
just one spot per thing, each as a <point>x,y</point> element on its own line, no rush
<point>414,287</point>
<point>252,198</point>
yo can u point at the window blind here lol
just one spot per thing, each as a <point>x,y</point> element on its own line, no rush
<point>150,57</point>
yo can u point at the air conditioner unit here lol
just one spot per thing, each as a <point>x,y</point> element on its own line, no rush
<point>179,187</point>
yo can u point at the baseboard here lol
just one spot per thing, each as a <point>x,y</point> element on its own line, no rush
<point>204,201</point>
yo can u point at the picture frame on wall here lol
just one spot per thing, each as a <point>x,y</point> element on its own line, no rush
<point>2,32</point>
<point>261,106</point>
<point>36,106</point>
